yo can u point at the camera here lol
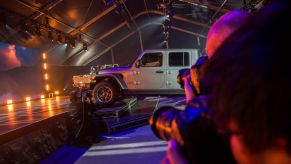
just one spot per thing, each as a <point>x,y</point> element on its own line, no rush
<point>182,75</point>
<point>193,129</point>
<point>194,72</point>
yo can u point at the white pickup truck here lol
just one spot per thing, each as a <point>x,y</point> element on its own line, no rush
<point>154,72</point>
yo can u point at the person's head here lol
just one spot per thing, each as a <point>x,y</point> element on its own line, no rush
<point>223,27</point>
<point>250,86</point>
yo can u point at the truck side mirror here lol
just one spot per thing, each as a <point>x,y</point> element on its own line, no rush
<point>137,63</point>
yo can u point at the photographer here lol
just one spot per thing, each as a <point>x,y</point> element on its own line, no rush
<point>218,32</point>
<point>250,91</point>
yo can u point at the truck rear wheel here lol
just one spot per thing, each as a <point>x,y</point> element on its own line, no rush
<point>104,93</point>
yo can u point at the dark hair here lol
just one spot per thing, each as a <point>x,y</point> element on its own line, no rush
<point>249,79</point>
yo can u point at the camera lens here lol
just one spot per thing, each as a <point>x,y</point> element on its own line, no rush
<point>198,139</point>
<point>161,122</point>
<point>182,75</point>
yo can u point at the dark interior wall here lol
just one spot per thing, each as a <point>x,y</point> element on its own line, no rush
<point>20,82</point>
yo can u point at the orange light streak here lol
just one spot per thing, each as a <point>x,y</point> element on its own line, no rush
<point>46,76</point>
<point>44,66</point>
<point>47,87</point>
<point>9,101</point>
<point>57,92</point>
<point>27,99</point>
<point>10,108</point>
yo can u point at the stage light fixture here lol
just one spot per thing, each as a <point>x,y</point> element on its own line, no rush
<point>47,87</point>
<point>24,27</point>
<point>43,56</point>
<point>37,29</point>
<point>59,38</point>
<point>46,76</point>
<point>44,66</point>
<point>67,39</point>
<point>10,107</point>
<point>107,2</point>
<point>28,104</point>
<point>9,101</point>
<point>72,42</point>
<point>27,98</point>
<point>161,5</point>
<point>57,92</point>
<point>85,46</point>
<point>42,96</point>
<point>50,35</point>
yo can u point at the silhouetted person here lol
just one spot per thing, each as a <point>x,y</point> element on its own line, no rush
<point>219,31</point>
<point>248,80</point>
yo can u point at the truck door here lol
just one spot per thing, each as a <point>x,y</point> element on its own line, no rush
<point>151,73</point>
<point>176,61</point>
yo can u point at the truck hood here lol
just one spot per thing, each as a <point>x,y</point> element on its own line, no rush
<point>114,70</point>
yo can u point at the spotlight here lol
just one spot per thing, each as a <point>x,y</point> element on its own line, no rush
<point>24,27</point>
<point>72,42</point>
<point>107,2</point>
<point>46,76</point>
<point>44,66</point>
<point>47,87</point>
<point>9,101</point>
<point>167,22</point>
<point>119,7</point>
<point>37,29</point>
<point>27,99</point>
<point>85,46</point>
<point>170,12</point>
<point>162,5</point>
<point>166,36</point>
<point>43,55</point>
<point>28,104</point>
<point>10,107</point>
<point>59,38</point>
<point>50,35</point>
<point>67,39</point>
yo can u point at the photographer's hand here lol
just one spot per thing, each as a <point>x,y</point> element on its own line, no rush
<point>190,95</point>
<point>173,155</point>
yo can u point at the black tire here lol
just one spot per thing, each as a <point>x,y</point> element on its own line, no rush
<point>104,94</point>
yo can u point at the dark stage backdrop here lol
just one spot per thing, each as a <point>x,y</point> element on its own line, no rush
<point>20,72</point>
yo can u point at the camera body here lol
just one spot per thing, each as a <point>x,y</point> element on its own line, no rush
<point>193,129</point>
<point>182,75</point>
<point>194,72</point>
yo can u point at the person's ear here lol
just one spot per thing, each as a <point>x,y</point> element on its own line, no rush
<point>238,149</point>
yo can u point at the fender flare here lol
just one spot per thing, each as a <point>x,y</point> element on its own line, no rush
<point>117,78</point>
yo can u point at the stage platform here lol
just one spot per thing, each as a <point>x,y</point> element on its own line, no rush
<point>43,127</point>
<point>18,115</point>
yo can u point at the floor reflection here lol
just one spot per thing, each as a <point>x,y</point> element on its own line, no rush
<point>21,114</point>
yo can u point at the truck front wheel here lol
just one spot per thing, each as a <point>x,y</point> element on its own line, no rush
<point>104,93</point>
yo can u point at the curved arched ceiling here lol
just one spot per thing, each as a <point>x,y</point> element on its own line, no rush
<point>118,31</point>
